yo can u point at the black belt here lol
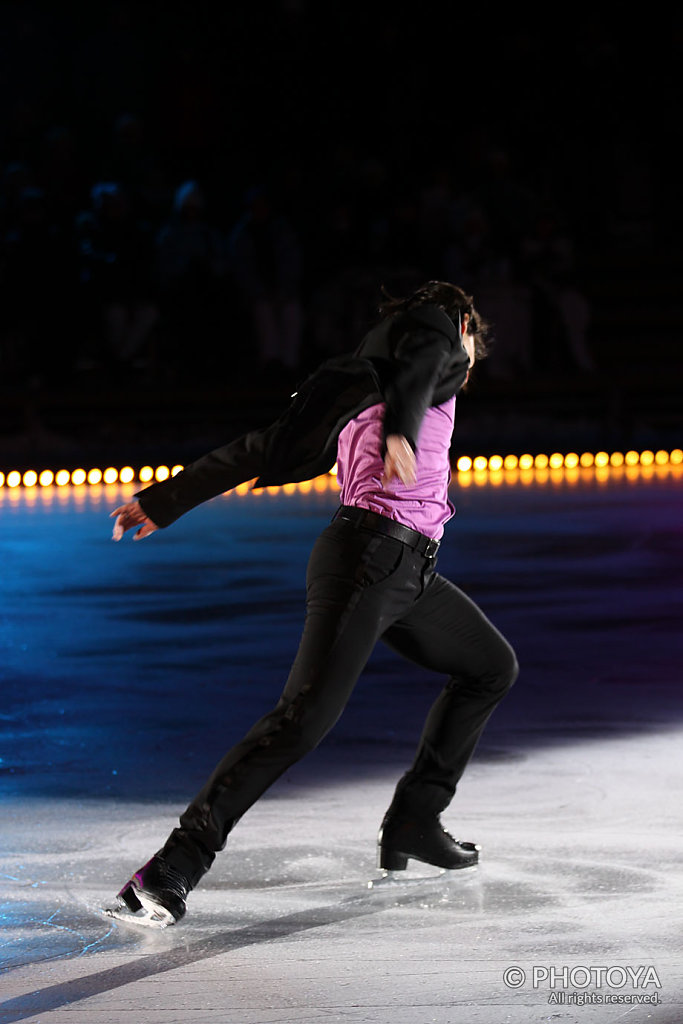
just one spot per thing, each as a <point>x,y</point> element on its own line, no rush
<point>426,546</point>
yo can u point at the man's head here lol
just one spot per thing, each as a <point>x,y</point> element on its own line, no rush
<point>455,303</point>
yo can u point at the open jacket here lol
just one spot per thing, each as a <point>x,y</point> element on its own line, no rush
<point>411,360</point>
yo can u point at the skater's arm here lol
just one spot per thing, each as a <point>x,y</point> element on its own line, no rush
<point>428,345</point>
<point>214,473</point>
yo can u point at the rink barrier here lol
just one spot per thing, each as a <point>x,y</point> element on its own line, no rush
<point>495,468</point>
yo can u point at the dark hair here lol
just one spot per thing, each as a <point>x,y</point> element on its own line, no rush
<point>451,299</point>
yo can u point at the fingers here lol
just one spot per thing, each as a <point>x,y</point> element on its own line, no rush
<point>402,469</point>
<point>406,472</point>
<point>399,460</point>
<point>388,474</point>
<point>132,509</point>
<point>129,516</point>
<point>144,531</point>
<point>401,466</point>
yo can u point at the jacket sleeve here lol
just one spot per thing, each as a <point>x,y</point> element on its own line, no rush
<point>212,474</point>
<point>427,344</point>
<point>299,445</point>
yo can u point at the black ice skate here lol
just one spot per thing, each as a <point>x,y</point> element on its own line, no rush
<point>154,896</point>
<point>424,839</point>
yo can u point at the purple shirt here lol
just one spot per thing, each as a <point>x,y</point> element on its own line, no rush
<point>424,505</point>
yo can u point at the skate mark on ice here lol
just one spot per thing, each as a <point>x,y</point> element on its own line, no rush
<point>52,997</point>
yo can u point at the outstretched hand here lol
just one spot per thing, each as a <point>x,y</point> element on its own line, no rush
<point>129,516</point>
<point>399,461</point>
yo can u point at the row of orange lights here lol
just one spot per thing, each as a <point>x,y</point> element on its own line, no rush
<point>572,460</point>
<point>465,464</point>
<point>77,477</point>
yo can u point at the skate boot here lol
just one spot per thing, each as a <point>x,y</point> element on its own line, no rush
<point>154,896</point>
<point>424,839</point>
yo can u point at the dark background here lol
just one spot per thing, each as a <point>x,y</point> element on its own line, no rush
<point>197,204</point>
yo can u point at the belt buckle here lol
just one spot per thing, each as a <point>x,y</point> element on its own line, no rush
<point>432,548</point>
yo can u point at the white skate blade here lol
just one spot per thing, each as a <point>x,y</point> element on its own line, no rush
<point>149,916</point>
<point>399,879</point>
<point>387,879</point>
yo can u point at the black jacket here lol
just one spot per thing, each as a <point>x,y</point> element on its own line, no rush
<point>411,361</point>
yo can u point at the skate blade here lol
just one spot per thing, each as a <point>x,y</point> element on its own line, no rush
<point>146,917</point>
<point>396,879</point>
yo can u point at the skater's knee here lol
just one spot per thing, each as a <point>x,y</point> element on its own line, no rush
<point>507,672</point>
<point>501,673</point>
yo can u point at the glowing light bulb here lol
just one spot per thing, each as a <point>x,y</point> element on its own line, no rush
<point>676,457</point>
<point>127,475</point>
<point>162,473</point>
<point>661,458</point>
<point>601,459</point>
<point>616,459</point>
<point>495,463</point>
<point>464,464</point>
<point>2,479</point>
<point>526,461</point>
<point>110,475</point>
<point>511,462</point>
<point>46,478</point>
<point>632,458</point>
<point>647,458</point>
<point>13,478</point>
<point>571,460</point>
<point>541,462</point>
<point>333,471</point>
<point>95,476</point>
<point>587,460</point>
<point>62,478</point>
<point>176,470</point>
<point>146,474</point>
<point>30,478</point>
<point>480,464</point>
<point>556,461</point>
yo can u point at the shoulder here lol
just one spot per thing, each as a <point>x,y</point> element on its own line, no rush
<point>432,318</point>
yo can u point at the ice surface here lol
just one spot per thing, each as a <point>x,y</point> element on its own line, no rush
<point>126,669</point>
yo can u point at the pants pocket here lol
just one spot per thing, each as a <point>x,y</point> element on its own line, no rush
<point>379,560</point>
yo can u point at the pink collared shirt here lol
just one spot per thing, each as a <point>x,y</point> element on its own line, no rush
<point>424,505</point>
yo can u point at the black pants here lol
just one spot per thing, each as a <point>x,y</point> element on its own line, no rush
<point>361,586</point>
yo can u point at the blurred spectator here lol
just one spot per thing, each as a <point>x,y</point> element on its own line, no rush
<point>16,177</point>
<point>133,163</point>
<point>266,264</point>
<point>435,219</point>
<point>63,176</point>
<point>344,308</point>
<point>192,268</point>
<point>507,203</point>
<point>116,260</point>
<point>508,307</point>
<point>37,289</point>
<point>561,313</point>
